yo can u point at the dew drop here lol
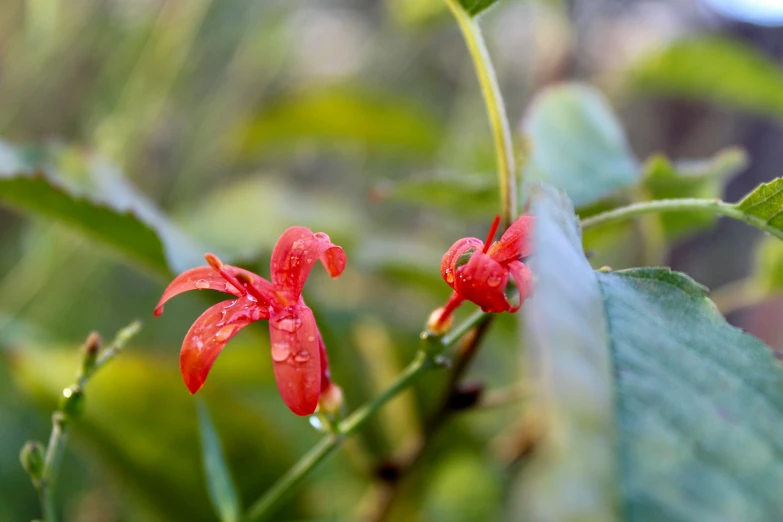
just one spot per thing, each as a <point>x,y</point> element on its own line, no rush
<point>202,284</point>
<point>302,357</point>
<point>316,423</point>
<point>288,324</point>
<point>280,351</point>
<point>224,333</point>
<point>309,259</point>
<point>311,339</point>
<point>493,281</point>
<point>449,276</point>
<point>251,298</point>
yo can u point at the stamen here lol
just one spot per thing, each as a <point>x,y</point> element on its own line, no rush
<point>242,282</point>
<point>492,230</point>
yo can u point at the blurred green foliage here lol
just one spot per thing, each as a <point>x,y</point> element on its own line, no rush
<point>204,125</point>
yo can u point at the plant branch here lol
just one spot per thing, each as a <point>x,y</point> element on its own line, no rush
<point>715,206</point>
<point>70,406</point>
<point>425,359</point>
<point>496,111</point>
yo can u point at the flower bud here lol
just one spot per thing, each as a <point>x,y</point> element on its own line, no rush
<point>32,458</point>
<point>72,401</point>
<point>331,399</point>
<point>90,352</point>
<point>438,324</point>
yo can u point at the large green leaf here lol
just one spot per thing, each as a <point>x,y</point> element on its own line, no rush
<point>577,144</point>
<point>573,474</point>
<point>113,212</point>
<point>716,69</point>
<point>697,405</point>
<point>220,485</point>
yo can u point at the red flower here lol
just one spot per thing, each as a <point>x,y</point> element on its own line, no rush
<point>479,272</point>
<point>298,352</point>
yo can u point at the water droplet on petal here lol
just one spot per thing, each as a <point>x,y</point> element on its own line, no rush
<point>493,280</point>
<point>280,351</point>
<point>302,357</point>
<point>251,298</point>
<point>449,276</point>
<point>287,324</point>
<point>224,333</point>
<point>311,338</point>
<point>202,284</point>
<point>309,259</point>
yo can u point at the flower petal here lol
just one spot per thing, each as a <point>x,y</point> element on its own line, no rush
<point>516,241</point>
<point>448,265</point>
<point>523,278</point>
<point>207,278</point>
<point>296,357</point>
<point>295,254</point>
<point>209,334</point>
<point>483,281</point>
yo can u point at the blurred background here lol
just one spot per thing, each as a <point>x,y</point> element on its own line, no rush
<point>225,122</point>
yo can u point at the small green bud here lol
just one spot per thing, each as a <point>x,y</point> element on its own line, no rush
<point>90,352</point>
<point>72,402</point>
<point>32,457</point>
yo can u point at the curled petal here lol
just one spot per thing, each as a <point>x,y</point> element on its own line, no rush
<point>294,255</point>
<point>523,278</point>
<point>296,357</point>
<point>483,281</point>
<point>448,265</point>
<point>206,277</point>
<point>209,334</point>
<point>516,242</point>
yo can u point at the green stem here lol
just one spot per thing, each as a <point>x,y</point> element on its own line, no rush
<point>423,361</point>
<point>715,206</point>
<point>60,420</point>
<point>496,111</point>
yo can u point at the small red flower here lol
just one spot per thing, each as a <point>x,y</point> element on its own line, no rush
<point>479,272</point>
<point>298,353</point>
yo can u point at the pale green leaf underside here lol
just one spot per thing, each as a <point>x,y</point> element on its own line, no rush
<point>220,485</point>
<point>693,427</point>
<point>577,144</point>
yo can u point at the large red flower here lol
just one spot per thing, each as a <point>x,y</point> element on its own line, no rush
<point>479,271</point>
<point>298,353</point>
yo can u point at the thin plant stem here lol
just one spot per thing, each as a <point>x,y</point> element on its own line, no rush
<point>424,361</point>
<point>60,420</point>
<point>715,206</point>
<point>496,111</point>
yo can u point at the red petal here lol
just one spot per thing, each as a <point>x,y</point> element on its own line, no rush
<point>516,242</point>
<point>483,281</point>
<point>295,254</point>
<point>206,277</point>
<point>209,334</point>
<point>448,265</point>
<point>296,357</point>
<point>523,279</point>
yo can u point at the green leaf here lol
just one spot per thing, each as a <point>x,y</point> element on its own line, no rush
<point>572,475</point>
<point>656,407</point>
<point>716,69</point>
<point>118,217</point>
<point>220,485</point>
<point>338,117</point>
<point>577,144</point>
<point>475,7</point>
<point>765,203</point>
<point>690,179</point>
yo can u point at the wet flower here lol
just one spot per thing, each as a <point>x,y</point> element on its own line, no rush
<point>479,272</point>
<point>298,353</point>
